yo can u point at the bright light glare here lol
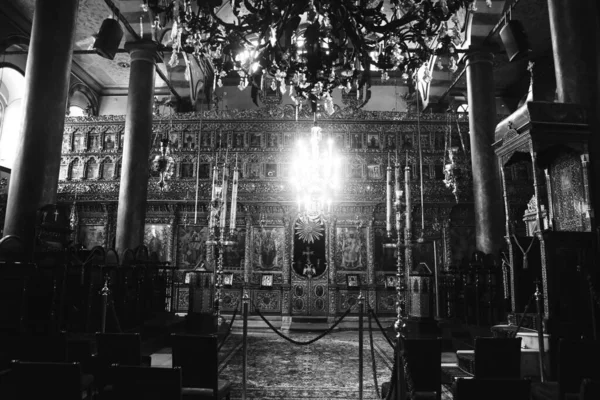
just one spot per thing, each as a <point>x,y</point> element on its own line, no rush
<point>315,174</point>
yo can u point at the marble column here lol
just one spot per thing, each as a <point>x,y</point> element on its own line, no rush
<point>573,27</point>
<point>133,191</point>
<point>34,176</point>
<point>487,194</point>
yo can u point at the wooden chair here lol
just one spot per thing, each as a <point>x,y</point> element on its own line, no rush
<point>492,389</point>
<point>12,248</point>
<point>198,357</point>
<point>424,359</point>
<point>120,348</point>
<point>14,296</point>
<point>148,383</point>
<point>590,390</point>
<point>127,258</point>
<point>39,348</point>
<point>44,380</point>
<point>117,348</point>
<point>111,258</point>
<point>577,360</point>
<point>497,358</point>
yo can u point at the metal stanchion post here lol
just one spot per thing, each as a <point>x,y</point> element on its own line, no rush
<point>540,315</point>
<point>245,301</point>
<point>105,291</point>
<point>361,308</point>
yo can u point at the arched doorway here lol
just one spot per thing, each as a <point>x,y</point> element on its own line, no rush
<point>309,267</point>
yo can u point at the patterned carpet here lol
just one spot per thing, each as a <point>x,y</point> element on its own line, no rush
<point>326,369</point>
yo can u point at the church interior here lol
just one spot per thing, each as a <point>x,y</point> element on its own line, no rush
<point>299,199</point>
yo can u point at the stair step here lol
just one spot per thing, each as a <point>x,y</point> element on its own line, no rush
<point>309,320</point>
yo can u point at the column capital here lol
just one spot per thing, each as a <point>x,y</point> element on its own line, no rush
<point>477,55</point>
<point>144,50</point>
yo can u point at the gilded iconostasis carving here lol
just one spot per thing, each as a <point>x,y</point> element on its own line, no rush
<point>350,240</point>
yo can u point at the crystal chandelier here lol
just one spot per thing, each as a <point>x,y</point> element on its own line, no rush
<point>315,174</point>
<point>309,47</point>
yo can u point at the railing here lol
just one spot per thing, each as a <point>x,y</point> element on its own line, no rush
<point>84,296</point>
<point>473,295</point>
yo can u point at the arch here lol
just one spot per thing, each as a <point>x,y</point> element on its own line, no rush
<point>127,258</point>
<point>13,40</point>
<point>12,90</point>
<point>106,169</point>
<point>75,174</point>
<point>91,169</point>
<point>83,97</point>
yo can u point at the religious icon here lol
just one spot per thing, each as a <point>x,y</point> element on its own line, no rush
<point>271,170</point>
<point>228,279</point>
<point>191,246</point>
<point>273,140</point>
<point>187,170</point>
<point>352,280</point>
<point>109,142</point>
<point>92,235</point>
<point>390,143</point>
<point>253,170</point>
<point>268,249</point>
<point>373,141</point>
<point>351,249</point>
<point>356,171</point>
<point>266,280</point>
<point>204,140</point>
<point>174,138</point>
<point>374,172</point>
<point>255,140</point>
<point>204,171</point>
<point>390,281</point>
<point>156,238</point>
<point>309,269</point>
<point>238,140</point>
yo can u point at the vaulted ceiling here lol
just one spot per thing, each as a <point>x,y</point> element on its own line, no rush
<point>110,77</point>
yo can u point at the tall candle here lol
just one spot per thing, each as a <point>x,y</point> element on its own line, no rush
<point>224,196</point>
<point>398,188</point>
<point>234,190</point>
<point>388,201</point>
<point>214,183</point>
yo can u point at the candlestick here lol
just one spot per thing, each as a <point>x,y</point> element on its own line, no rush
<point>234,190</point>
<point>388,200</point>
<point>224,197</point>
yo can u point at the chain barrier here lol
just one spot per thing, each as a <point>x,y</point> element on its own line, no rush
<point>410,385</point>
<point>328,331</point>
<point>371,311</point>
<point>403,358</point>
<point>593,290</point>
<point>520,325</point>
<point>228,330</point>
<point>394,379</point>
<point>373,364</point>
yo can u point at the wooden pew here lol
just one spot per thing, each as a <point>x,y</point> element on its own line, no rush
<point>577,360</point>
<point>47,380</point>
<point>424,360</point>
<point>198,357</point>
<point>143,382</point>
<point>589,390</point>
<point>497,358</point>
<point>492,389</point>
<point>117,348</point>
